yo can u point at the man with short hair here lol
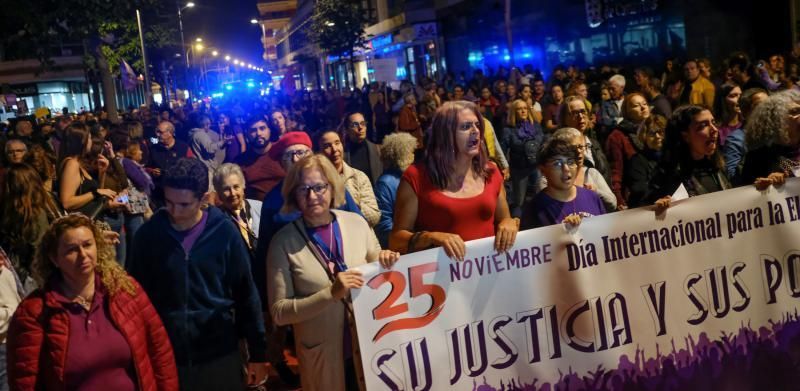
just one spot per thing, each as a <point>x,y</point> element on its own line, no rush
<point>744,73</point>
<point>659,102</point>
<point>359,152</point>
<point>24,128</point>
<point>611,110</point>
<point>194,266</point>
<point>15,150</point>
<point>261,173</point>
<point>164,155</point>
<point>538,90</point>
<point>698,90</point>
<point>207,145</point>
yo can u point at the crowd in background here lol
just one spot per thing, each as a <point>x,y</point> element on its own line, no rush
<point>221,227</point>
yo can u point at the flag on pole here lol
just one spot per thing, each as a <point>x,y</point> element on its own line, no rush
<point>129,80</point>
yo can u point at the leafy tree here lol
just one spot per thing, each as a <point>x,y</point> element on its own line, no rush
<point>38,27</point>
<point>337,27</point>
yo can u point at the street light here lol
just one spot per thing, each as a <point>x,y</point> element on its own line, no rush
<point>214,53</point>
<point>180,27</point>
<point>198,39</point>
<point>254,21</point>
<point>227,58</point>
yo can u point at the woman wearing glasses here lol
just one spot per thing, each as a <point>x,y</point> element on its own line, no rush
<point>309,275</point>
<point>576,113</point>
<point>641,168</point>
<point>455,194</point>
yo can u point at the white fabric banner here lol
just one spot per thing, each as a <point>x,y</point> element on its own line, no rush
<point>626,299</point>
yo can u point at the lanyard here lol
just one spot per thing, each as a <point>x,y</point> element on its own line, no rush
<point>336,257</point>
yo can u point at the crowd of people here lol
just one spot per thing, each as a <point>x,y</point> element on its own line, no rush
<point>188,247</point>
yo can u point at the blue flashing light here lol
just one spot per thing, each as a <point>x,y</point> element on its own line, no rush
<point>506,57</point>
<point>527,55</point>
<point>228,87</point>
<point>250,84</point>
<point>401,73</point>
<point>217,95</point>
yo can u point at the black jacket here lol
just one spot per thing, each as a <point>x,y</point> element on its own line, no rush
<point>206,298</point>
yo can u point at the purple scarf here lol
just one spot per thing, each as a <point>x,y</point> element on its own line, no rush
<point>526,130</point>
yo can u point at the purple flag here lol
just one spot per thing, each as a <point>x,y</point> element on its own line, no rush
<point>128,76</point>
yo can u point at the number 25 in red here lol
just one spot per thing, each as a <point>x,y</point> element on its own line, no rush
<point>387,308</point>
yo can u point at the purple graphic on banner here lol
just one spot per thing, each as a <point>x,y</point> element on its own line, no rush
<point>767,359</point>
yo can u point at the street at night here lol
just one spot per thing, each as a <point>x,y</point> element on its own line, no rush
<point>352,195</point>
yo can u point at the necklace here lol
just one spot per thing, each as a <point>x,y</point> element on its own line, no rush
<point>86,303</point>
<point>83,301</point>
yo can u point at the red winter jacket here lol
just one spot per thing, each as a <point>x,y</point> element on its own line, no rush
<point>38,337</point>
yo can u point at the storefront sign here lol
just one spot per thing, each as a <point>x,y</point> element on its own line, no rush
<point>599,11</point>
<point>705,295</point>
<point>425,31</point>
<point>25,89</point>
<point>381,41</point>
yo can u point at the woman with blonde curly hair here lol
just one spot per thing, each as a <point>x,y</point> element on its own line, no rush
<point>91,326</point>
<point>397,153</point>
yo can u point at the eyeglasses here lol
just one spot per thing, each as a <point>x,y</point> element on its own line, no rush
<point>561,163</point>
<point>583,147</point>
<point>358,124</point>
<point>318,189</point>
<point>466,126</point>
<point>655,132</point>
<point>579,113</point>
<point>300,153</point>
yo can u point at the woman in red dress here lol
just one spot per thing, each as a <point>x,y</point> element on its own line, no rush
<point>455,194</point>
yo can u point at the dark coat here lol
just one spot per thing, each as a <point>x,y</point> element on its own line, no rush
<point>197,294</point>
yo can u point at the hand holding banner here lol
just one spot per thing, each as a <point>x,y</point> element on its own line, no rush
<point>631,301</point>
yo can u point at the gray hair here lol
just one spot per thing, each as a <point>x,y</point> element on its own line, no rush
<point>15,140</point>
<point>225,171</point>
<point>617,79</point>
<point>567,134</point>
<point>768,122</point>
<point>397,150</point>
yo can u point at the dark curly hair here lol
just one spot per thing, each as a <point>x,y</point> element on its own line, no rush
<point>188,174</point>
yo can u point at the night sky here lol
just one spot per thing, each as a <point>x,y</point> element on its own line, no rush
<point>225,24</point>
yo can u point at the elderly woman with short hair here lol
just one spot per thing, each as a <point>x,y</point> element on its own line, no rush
<point>310,274</point>
<point>245,214</point>
<point>772,135</point>
<point>397,153</point>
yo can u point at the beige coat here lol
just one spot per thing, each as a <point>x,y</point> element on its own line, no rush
<point>359,186</point>
<point>299,293</point>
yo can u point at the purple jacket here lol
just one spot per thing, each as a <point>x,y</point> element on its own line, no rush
<point>138,176</point>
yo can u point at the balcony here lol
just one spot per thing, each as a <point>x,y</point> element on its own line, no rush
<point>268,41</point>
<point>276,6</point>
<point>275,24</point>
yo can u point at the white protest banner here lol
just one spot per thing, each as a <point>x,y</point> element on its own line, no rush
<point>705,295</point>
